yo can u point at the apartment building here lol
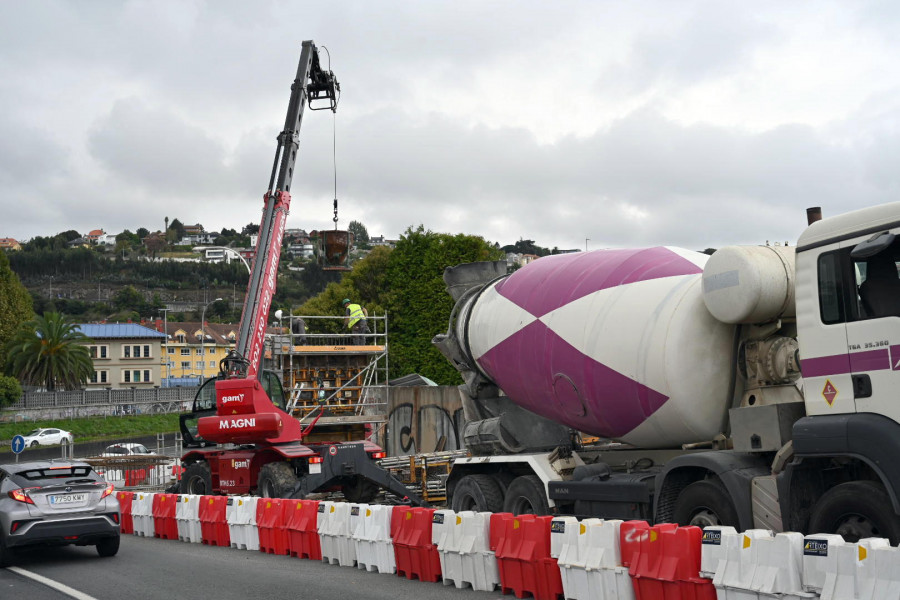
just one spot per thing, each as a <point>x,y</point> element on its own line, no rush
<point>125,355</point>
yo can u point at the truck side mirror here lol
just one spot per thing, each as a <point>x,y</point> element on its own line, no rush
<point>872,246</point>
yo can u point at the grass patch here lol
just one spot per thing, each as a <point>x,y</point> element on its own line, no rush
<point>97,428</point>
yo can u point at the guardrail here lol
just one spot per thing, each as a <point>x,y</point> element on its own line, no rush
<point>90,403</point>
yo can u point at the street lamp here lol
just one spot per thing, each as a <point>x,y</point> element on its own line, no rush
<point>586,240</point>
<point>165,312</point>
<point>203,333</point>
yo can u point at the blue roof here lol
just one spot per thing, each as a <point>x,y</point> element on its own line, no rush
<point>99,331</point>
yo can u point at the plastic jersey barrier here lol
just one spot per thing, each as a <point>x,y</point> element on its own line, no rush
<point>857,571</point>
<point>127,524</point>
<point>303,536</point>
<point>142,514</point>
<point>213,526</point>
<point>374,547</point>
<point>187,517</point>
<point>666,564</point>
<point>334,533</point>
<point>523,556</point>
<point>164,524</point>
<point>464,547</point>
<point>590,560</point>
<point>240,514</point>
<point>273,538</point>
<point>416,555</point>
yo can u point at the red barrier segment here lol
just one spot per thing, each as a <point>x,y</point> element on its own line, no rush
<point>270,522</point>
<point>213,525</point>
<point>414,553</point>
<point>135,477</point>
<point>667,564</point>
<point>303,536</point>
<point>125,499</point>
<point>164,524</point>
<point>523,556</point>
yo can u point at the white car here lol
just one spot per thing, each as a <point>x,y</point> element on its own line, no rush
<point>126,449</point>
<point>47,437</point>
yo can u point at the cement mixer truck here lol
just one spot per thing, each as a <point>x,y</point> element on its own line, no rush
<point>756,387</point>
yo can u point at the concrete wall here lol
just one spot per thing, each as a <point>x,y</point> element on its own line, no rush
<point>419,417</point>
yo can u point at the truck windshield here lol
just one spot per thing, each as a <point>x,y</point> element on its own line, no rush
<point>206,396</point>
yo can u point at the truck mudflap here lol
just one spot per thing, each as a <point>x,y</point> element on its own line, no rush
<point>342,461</point>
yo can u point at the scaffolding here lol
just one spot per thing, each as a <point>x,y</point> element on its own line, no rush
<point>324,366</point>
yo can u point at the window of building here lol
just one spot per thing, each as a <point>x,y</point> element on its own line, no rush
<point>147,378</point>
<point>212,364</point>
<point>185,364</point>
<point>200,364</point>
<point>99,351</point>
<point>126,351</point>
<point>180,338</point>
<point>171,350</point>
<point>101,376</point>
<point>146,351</point>
<point>185,351</point>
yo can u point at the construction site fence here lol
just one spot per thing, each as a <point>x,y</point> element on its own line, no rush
<point>91,403</point>
<point>326,330</point>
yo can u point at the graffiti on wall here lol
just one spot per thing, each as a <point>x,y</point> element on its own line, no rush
<point>424,419</point>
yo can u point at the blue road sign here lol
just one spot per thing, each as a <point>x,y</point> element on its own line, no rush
<point>18,444</point>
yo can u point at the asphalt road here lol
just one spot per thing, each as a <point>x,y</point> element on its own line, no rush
<point>152,569</point>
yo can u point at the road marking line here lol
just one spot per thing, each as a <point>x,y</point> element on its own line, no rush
<point>51,583</point>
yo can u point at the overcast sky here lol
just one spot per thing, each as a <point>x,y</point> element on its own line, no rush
<point>696,124</point>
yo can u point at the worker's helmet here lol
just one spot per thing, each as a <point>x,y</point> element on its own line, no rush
<point>346,301</point>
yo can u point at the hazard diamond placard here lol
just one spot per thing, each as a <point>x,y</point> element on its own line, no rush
<point>829,392</point>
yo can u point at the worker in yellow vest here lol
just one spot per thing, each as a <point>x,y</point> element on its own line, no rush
<point>355,317</point>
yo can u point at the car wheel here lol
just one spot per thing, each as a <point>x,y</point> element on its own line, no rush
<point>5,554</point>
<point>34,444</point>
<point>108,547</point>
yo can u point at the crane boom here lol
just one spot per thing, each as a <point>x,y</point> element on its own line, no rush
<point>311,83</point>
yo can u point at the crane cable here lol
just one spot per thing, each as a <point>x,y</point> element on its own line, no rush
<point>333,142</point>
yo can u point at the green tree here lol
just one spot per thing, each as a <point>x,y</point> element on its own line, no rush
<point>15,303</point>
<point>10,390</point>
<point>50,351</point>
<point>128,298</point>
<point>360,233</point>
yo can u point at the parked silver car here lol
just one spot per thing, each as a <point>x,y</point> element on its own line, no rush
<point>56,503</point>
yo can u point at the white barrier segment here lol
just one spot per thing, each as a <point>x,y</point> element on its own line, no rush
<point>326,540</point>
<point>882,579</point>
<point>779,567</point>
<point>819,558</point>
<point>734,575</point>
<point>712,550</point>
<point>853,569</point>
<point>142,514</point>
<point>567,545</point>
<point>600,558</point>
<point>464,547</point>
<point>335,534</point>
<point>251,530</point>
<point>187,518</point>
<point>232,518</point>
<point>374,547</point>
<point>443,528</point>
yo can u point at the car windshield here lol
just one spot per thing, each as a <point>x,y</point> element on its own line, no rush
<point>33,432</point>
<point>48,475</point>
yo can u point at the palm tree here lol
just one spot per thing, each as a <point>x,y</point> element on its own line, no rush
<point>50,351</point>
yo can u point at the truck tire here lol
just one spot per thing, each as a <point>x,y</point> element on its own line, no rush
<point>276,480</point>
<point>108,547</point>
<point>856,510</point>
<point>704,503</point>
<point>480,493</point>
<point>360,490</point>
<point>196,479</point>
<point>526,496</point>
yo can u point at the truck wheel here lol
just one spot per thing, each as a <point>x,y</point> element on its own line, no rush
<point>704,503</point>
<point>276,480</point>
<point>196,479</point>
<point>856,510</point>
<point>360,490</point>
<point>480,493</point>
<point>526,496</point>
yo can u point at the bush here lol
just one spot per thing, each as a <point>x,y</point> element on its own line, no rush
<point>10,390</point>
